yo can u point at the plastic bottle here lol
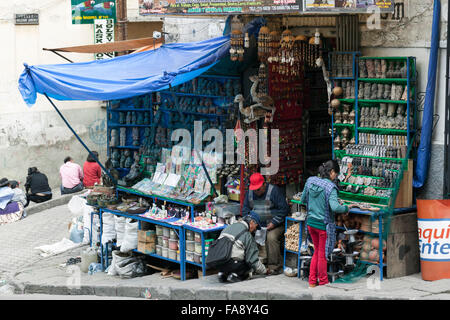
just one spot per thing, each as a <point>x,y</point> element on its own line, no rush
<point>88,256</point>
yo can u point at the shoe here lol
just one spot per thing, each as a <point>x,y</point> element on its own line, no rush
<point>222,277</point>
<point>233,278</point>
<point>312,286</point>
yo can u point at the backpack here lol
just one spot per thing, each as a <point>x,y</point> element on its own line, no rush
<point>219,252</point>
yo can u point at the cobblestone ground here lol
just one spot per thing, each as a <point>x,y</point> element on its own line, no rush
<point>19,239</point>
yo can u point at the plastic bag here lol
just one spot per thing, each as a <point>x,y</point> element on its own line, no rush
<point>76,205</point>
<point>76,230</point>
<point>130,239</point>
<point>125,265</point>
<point>119,223</point>
<point>109,231</point>
<point>260,236</point>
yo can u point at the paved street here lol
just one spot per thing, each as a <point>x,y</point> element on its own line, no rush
<point>24,271</point>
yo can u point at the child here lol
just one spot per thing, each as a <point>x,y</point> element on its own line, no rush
<point>19,195</point>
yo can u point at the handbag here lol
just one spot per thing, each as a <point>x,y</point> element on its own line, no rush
<point>219,252</point>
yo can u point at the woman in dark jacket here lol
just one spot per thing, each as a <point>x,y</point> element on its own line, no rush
<point>37,187</point>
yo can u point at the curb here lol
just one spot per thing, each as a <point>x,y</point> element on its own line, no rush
<point>64,199</point>
<point>172,293</point>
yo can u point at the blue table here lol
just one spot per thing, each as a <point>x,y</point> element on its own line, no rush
<point>202,233</point>
<point>165,223</point>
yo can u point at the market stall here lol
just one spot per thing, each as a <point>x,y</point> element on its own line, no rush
<point>167,106</point>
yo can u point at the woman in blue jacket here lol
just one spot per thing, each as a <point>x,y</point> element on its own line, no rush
<point>320,196</point>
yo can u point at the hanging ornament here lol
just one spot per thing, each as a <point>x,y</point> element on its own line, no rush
<point>237,45</point>
<point>237,40</point>
<point>262,75</point>
<point>246,41</point>
<point>263,43</point>
<point>274,45</point>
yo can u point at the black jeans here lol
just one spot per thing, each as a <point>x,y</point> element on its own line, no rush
<point>241,268</point>
<point>37,199</point>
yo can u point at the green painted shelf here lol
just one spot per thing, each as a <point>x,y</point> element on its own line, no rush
<point>385,80</point>
<point>382,130</point>
<point>364,186</point>
<point>384,101</point>
<point>347,100</point>
<point>343,125</point>
<point>384,58</point>
<point>374,157</point>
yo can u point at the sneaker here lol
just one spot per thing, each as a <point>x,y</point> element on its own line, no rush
<point>234,278</point>
<point>312,286</point>
<point>222,277</point>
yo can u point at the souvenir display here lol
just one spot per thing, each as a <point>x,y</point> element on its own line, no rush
<point>264,43</point>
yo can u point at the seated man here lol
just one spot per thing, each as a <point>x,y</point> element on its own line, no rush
<point>244,254</point>
<point>71,176</point>
<point>268,202</point>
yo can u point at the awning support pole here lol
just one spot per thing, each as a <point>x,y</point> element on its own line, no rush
<point>81,141</point>
<point>60,55</point>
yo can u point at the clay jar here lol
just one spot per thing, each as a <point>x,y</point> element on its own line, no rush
<point>335,103</point>
<point>337,91</point>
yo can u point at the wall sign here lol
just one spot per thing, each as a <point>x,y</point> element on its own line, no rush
<point>86,11</point>
<point>218,7</point>
<point>349,6</point>
<point>26,18</point>
<point>103,33</point>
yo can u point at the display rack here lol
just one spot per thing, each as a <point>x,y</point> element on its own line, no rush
<point>288,221</point>
<point>140,219</point>
<point>146,121</point>
<point>362,135</point>
<point>203,233</point>
<point>143,125</point>
<point>378,216</point>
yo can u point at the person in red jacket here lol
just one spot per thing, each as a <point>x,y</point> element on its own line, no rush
<point>92,171</point>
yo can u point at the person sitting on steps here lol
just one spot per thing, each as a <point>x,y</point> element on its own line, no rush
<point>71,177</point>
<point>36,187</point>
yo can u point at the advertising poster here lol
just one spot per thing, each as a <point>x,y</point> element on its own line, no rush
<point>85,12</point>
<point>347,5</point>
<point>218,7</point>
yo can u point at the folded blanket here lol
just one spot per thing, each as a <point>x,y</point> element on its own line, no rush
<point>10,208</point>
<point>57,248</point>
<point>12,212</point>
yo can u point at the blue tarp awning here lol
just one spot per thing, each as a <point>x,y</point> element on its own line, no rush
<point>124,76</point>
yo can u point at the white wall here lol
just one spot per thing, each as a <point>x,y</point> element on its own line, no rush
<point>37,136</point>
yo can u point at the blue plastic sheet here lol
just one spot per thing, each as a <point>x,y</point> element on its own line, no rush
<point>424,152</point>
<point>123,76</point>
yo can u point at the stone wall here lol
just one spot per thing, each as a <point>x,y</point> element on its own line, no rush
<point>36,136</point>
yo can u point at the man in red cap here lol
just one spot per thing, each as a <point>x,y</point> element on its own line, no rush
<point>269,203</point>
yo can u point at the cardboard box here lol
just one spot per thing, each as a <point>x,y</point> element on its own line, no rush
<point>146,236</point>
<point>141,246</point>
<point>405,193</point>
<point>150,247</point>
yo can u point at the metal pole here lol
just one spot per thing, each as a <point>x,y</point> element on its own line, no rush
<point>81,141</point>
<point>447,122</point>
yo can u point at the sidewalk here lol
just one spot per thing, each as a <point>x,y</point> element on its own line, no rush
<point>56,200</point>
<point>24,271</point>
<point>48,277</point>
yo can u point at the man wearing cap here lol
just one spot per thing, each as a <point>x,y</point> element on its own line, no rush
<point>269,203</point>
<point>244,254</point>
